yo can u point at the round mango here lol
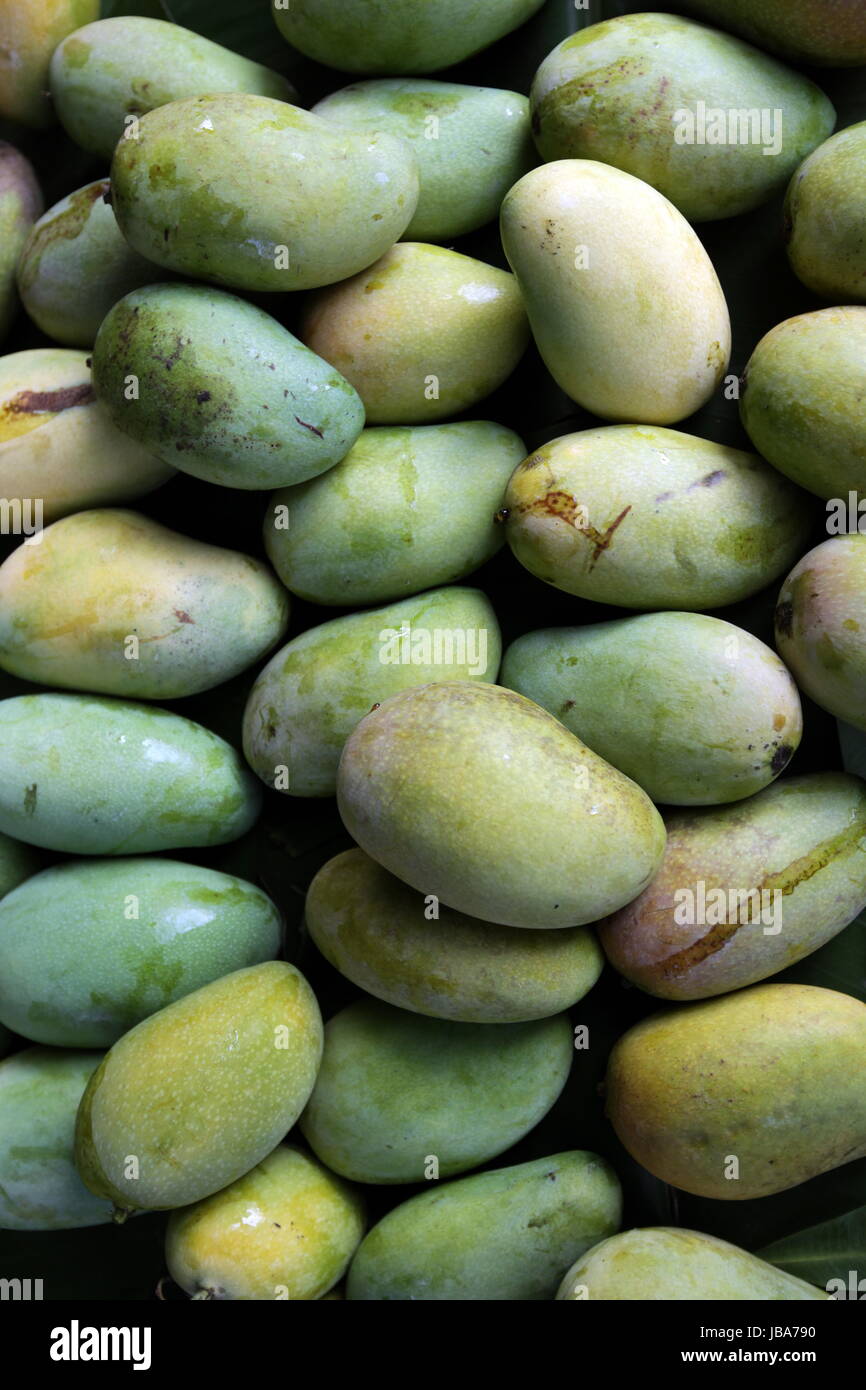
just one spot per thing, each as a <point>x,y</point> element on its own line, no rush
<point>29,33</point>
<point>20,205</point>
<point>821,629</point>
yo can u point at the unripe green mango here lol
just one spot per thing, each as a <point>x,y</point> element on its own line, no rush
<point>828,33</point>
<point>712,123</point>
<point>398,1092</point>
<point>89,949</point>
<point>394,944</point>
<point>693,709</point>
<point>112,602</point>
<point>405,510</point>
<point>127,66</point>
<point>470,144</point>
<point>666,1263</point>
<point>286,1230</point>
<point>653,518</point>
<point>308,699</point>
<point>505,1235</point>
<point>17,862</point>
<point>199,1093</point>
<point>821,628</point>
<point>802,400</point>
<point>87,775</point>
<point>473,794</point>
<point>260,195</point>
<point>823,213</point>
<point>771,1077</point>
<point>29,33</point>
<point>624,304</point>
<point>20,205</point>
<point>40,1089</point>
<point>474,332</point>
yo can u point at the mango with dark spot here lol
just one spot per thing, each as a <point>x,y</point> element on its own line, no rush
<point>825,229</point>
<point>20,205</point>
<point>821,626</point>
<point>29,34</point>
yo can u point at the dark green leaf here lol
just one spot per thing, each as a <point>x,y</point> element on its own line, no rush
<point>832,1250</point>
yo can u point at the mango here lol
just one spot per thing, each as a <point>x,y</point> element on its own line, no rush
<point>88,949</point>
<point>710,122</point>
<point>17,862</point>
<point>820,628</point>
<point>502,1235</point>
<point>474,795</point>
<point>256,194</point>
<point>286,1230</point>
<point>308,699</point>
<point>402,1098</point>
<point>393,943</point>
<point>93,776</point>
<point>623,301</point>
<point>693,709</point>
<point>823,222</point>
<point>827,33</point>
<point>29,33</point>
<point>474,332</point>
<point>653,518</point>
<point>743,1096</point>
<point>405,510</point>
<point>112,602</point>
<point>20,205</point>
<point>196,1095</point>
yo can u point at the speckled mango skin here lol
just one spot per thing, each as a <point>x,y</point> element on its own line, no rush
<point>308,699</point>
<point>131,64</point>
<point>827,33</point>
<point>202,1091</point>
<point>17,862</point>
<point>259,195</point>
<point>802,400</point>
<point>475,332</point>
<point>613,91</point>
<point>375,931</point>
<point>821,629</point>
<point>88,775</point>
<point>20,205</point>
<point>69,605</point>
<point>29,33</point>
<point>88,949</point>
<point>653,518</point>
<point>474,794</point>
<point>287,1230</point>
<point>505,1235</point>
<point>225,392</point>
<point>772,1076</point>
<point>470,144</point>
<point>667,1263</point>
<point>624,304</point>
<point>693,709</point>
<point>405,510</point>
<point>396,1089</point>
<point>824,221</point>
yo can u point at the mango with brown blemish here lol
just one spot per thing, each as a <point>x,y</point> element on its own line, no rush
<point>20,205</point>
<point>29,34</point>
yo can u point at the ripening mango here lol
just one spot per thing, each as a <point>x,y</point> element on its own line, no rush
<point>29,34</point>
<point>821,626</point>
<point>20,205</point>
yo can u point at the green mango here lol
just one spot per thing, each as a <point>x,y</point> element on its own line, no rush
<point>746,1095</point>
<point>470,144</point>
<point>260,195</point>
<point>820,626</point>
<point>722,127</point>
<point>285,1230</point>
<point>117,69</point>
<point>474,332</point>
<point>653,518</point>
<point>88,949</point>
<point>402,1098</point>
<point>472,794</point>
<point>308,699</point>
<point>802,400</point>
<point>693,709</point>
<point>40,1190</point>
<point>405,510</point>
<point>112,602</point>
<point>396,945</point>
<point>87,775</point>
<point>825,33</point>
<point>670,1264</point>
<point>623,301</point>
<point>502,1235</point>
<point>29,33</point>
<point>196,1095</point>
<point>17,863</point>
<point>20,205</point>
<point>824,223</point>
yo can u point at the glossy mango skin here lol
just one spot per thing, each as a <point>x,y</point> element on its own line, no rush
<point>506,1234</point>
<point>257,194</point>
<point>202,1091</point>
<point>308,699</point>
<point>20,205</point>
<point>693,709</point>
<point>653,518</point>
<point>691,1088</point>
<point>475,332</point>
<point>820,629</point>
<point>406,510</point>
<point>17,863</point>
<point>825,242</point>
<point>29,33</point>
<point>70,605</point>
<point>88,775</point>
<point>828,33</point>
<point>396,1090</point>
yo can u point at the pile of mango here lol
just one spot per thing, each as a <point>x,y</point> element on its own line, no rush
<point>431,641</point>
